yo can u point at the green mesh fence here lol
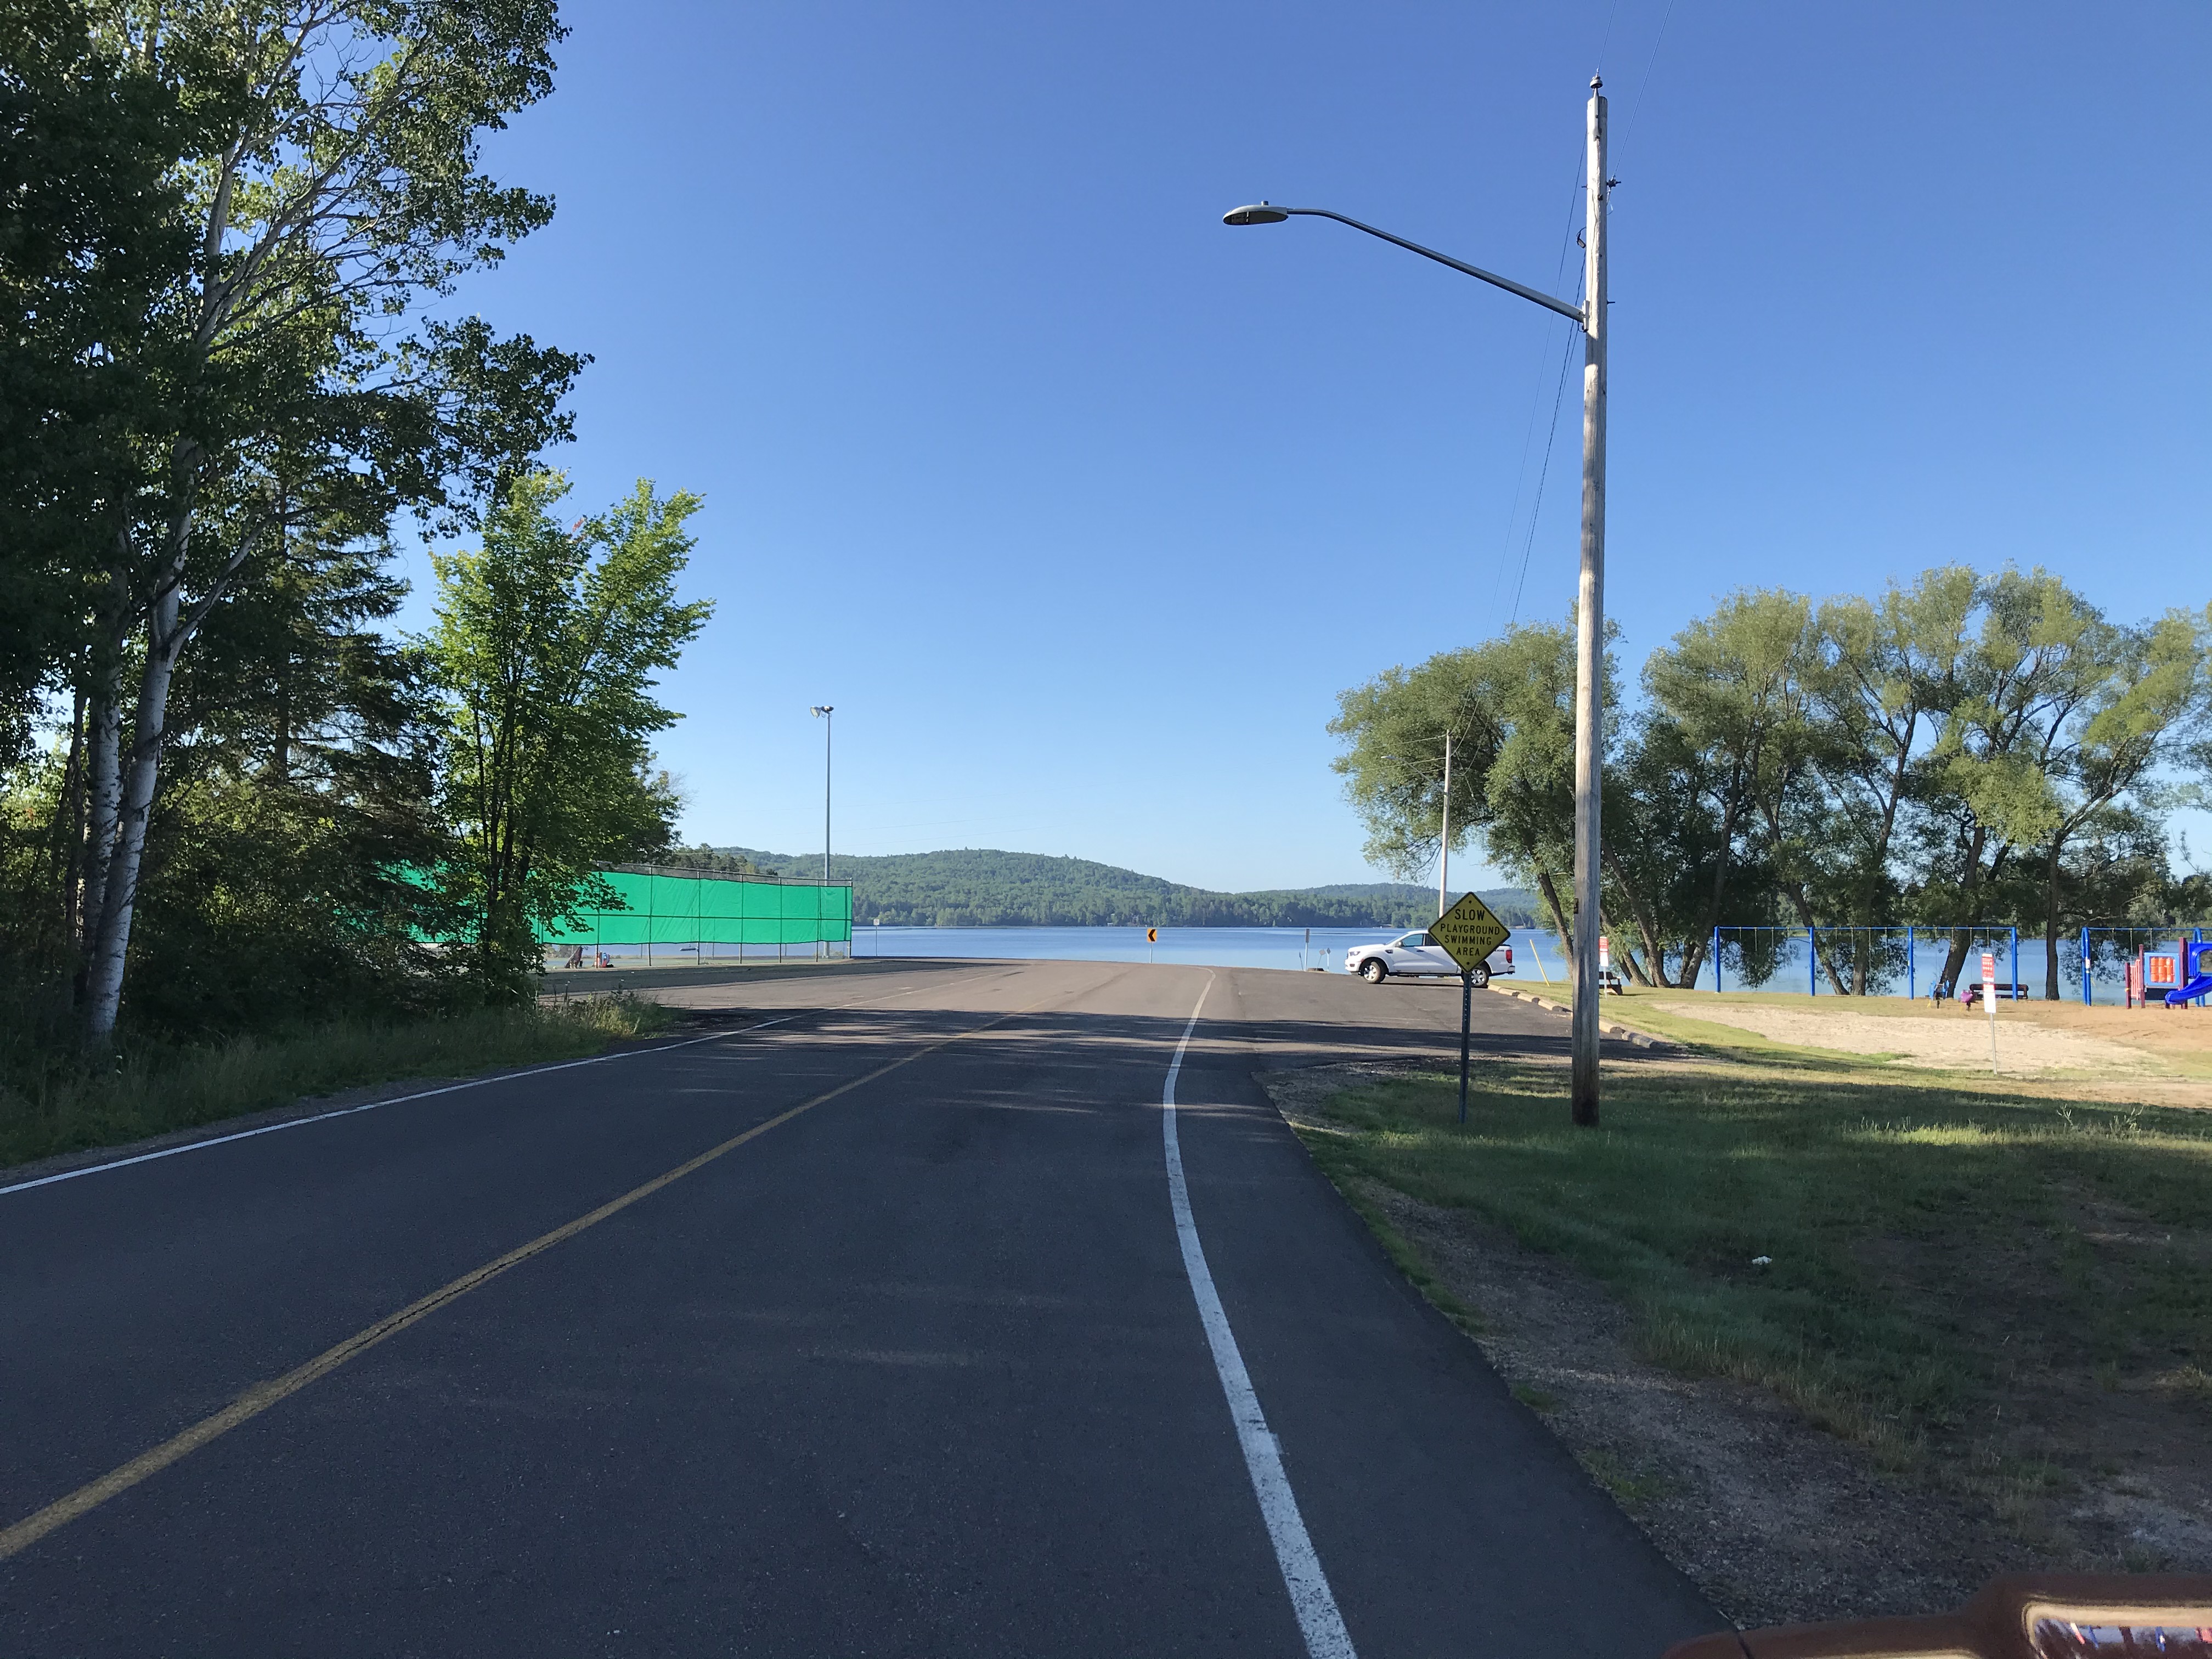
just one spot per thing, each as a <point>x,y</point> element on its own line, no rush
<point>665,907</point>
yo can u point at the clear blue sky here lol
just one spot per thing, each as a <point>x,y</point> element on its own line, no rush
<point>1082,508</point>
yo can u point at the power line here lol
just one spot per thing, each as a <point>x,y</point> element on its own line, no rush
<point>1607,39</point>
<point>1536,507</point>
<point>1535,407</point>
<point>1645,82</point>
<point>1558,396</point>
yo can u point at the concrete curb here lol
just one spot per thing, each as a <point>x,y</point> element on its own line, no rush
<point>1639,1038</point>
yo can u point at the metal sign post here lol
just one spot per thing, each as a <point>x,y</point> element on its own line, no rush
<point>1466,1020</point>
<point>1468,933</point>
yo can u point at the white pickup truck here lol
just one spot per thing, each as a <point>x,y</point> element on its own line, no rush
<point>1420,953</point>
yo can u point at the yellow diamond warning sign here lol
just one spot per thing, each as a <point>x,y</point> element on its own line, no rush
<point>1469,931</point>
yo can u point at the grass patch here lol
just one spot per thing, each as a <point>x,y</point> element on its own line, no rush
<point>1631,1488</point>
<point>149,1091</point>
<point>1930,1247</point>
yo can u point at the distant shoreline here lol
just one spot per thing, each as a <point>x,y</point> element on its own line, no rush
<point>986,887</point>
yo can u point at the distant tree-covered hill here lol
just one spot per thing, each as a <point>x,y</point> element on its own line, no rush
<point>982,888</point>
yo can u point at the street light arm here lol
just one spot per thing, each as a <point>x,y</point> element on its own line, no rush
<point>1491,277</point>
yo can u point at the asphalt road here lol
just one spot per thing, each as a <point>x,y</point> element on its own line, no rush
<point>920,1370</point>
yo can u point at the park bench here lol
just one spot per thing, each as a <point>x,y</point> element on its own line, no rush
<point>2016,993</point>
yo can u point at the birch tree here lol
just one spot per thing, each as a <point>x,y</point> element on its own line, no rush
<point>91,234</point>
<point>330,186</point>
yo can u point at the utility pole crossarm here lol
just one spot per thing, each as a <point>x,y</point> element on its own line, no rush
<point>1491,277</point>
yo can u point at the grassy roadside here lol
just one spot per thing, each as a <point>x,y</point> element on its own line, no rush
<point>151,1090</point>
<point>1973,1281</point>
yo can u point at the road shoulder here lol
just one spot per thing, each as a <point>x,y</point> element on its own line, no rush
<point>1776,1521</point>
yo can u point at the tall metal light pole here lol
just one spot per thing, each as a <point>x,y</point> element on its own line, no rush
<point>1590,610</point>
<point>823,711</point>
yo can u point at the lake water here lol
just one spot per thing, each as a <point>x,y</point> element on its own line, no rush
<point>1537,956</point>
<point>1291,948</point>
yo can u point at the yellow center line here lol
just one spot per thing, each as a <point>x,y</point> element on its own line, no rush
<point>261,1396</point>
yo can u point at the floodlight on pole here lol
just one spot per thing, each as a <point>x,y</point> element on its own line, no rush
<point>1590,608</point>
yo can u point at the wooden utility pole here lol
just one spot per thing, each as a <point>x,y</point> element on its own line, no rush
<point>1590,644</point>
<point>1589,632</point>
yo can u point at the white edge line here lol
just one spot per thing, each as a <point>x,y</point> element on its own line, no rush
<point>370,1106</point>
<point>1319,1621</point>
<point>450,1088</point>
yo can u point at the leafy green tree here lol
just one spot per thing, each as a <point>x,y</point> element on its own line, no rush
<point>703,857</point>
<point>1528,819</point>
<point>308,171</point>
<point>2146,696</point>
<point>1506,703</point>
<point>1889,667</point>
<point>1509,704</point>
<point>91,238</point>
<point>298,802</point>
<point>1665,846</point>
<point>283,858</point>
<point>88,241</point>
<point>547,647</point>
<point>2031,674</point>
<point>1396,725</point>
<point>1983,746</point>
<point>1736,688</point>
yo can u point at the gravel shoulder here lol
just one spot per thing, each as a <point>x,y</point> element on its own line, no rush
<point>1778,1521</point>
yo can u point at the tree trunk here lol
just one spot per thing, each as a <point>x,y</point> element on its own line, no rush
<point>1551,892</point>
<point>1955,964</point>
<point>1639,914</point>
<point>1962,938</point>
<point>1803,907</point>
<point>165,639</point>
<point>169,628</point>
<point>65,846</point>
<point>1693,953</point>
<point>280,765</point>
<point>103,789</point>
<point>1693,960</point>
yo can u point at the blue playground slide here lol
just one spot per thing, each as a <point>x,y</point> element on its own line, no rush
<point>2201,986</point>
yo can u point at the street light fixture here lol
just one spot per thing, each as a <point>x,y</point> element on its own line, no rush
<point>823,711</point>
<point>1590,610</point>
